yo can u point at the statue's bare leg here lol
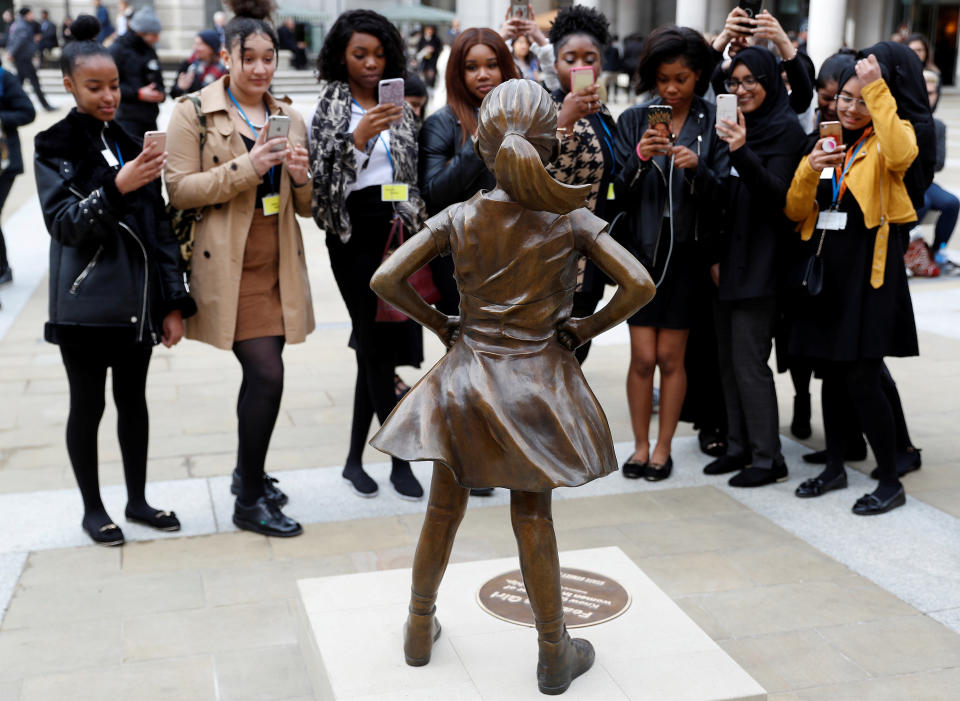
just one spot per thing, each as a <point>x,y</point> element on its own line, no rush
<point>448,503</point>
<point>561,658</point>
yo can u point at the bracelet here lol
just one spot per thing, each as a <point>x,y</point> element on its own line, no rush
<point>640,155</point>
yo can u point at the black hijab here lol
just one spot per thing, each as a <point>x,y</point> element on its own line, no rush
<point>772,128</point>
<point>902,71</point>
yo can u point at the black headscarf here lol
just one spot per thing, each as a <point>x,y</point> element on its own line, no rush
<point>902,71</point>
<point>772,128</point>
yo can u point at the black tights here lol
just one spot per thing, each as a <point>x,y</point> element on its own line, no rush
<point>374,393</point>
<point>87,374</point>
<point>859,382</point>
<point>257,408</point>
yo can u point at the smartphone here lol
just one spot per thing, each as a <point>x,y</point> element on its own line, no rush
<point>726,108</point>
<point>832,133</point>
<point>520,9</point>
<point>159,137</point>
<point>277,125</point>
<point>659,118</point>
<point>581,78</point>
<point>751,7</point>
<point>390,92</point>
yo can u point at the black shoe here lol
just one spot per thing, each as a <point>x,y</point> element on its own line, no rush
<point>6,276</point>
<point>760,476</point>
<point>265,518</point>
<point>360,482</point>
<point>634,469</point>
<point>907,462</point>
<point>482,492</point>
<point>108,534</point>
<point>161,520</point>
<point>405,483</point>
<point>818,487</point>
<point>712,443</point>
<point>800,426</point>
<point>854,454</point>
<point>656,472</point>
<point>270,489</point>
<point>726,463</point>
<point>871,505</point>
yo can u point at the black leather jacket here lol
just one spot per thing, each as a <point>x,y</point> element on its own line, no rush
<point>138,66</point>
<point>114,265</point>
<point>16,110</point>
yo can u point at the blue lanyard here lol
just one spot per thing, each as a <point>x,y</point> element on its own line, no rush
<point>253,129</point>
<point>379,136</point>
<point>837,183</point>
<point>116,145</point>
<point>608,139</point>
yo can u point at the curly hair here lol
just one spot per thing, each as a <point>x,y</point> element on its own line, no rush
<point>330,63</point>
<point>251,17</point>
<point>667,44</point>
<point>84,30</point>
<point>578,19</point>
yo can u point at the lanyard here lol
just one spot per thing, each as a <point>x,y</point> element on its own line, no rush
<point>379,136</point>
<point>116,145</point>
<point>608,140</point>
<point>256,132</point>
<point>839,186</point>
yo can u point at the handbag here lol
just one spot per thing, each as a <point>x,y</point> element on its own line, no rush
<point>809,273</point>
<point>421,280</point>
<point>183,222</point>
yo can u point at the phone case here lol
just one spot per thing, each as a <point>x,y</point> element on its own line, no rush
<point>751,7</point>
<point>659,117</point>
<point>391,91</point>
<point>726,108</point>
<point>581,78</point>
<point>519,10</point>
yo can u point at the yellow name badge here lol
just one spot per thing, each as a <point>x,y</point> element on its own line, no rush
<point>271,204</point>
<point>394,192</point>
<point>610,195</point>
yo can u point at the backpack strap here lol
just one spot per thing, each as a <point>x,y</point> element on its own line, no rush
<point>201,118</point>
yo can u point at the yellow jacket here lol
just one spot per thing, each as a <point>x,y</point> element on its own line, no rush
<point>875,178</point>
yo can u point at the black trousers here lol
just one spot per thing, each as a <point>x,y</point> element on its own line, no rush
<point>744,342</point>
<point>27,71</point>
<point>6,182</point>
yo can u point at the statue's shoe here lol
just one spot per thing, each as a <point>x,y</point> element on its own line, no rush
<point>419,633</point>
<point>562,662</point>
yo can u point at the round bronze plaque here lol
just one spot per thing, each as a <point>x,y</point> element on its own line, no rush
<point>588,598</point>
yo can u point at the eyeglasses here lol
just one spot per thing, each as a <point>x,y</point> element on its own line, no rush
<point>749,83</point>
<point>848,102</point>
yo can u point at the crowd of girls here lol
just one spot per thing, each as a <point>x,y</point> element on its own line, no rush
<point>724,213</point>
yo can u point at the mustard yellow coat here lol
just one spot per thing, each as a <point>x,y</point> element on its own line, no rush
<point>225,183</point>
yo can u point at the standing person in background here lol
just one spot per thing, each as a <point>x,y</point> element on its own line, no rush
<point>287,33</point>
<point>141,81</point>
<point>765,144</point>
<point>428,52</point>
<point>356,146</point>
<point>920,45</point>
<point>48,34</point>
<point>16,110</point>
<point>116,289</point>
<point>676,63</point>
<point>248,272</point>
<point>202,68</point>
<point>21,48</point>
<point>540,46</point>
<point>103,17</point>
<point>219,22</point>
<point>526,62</point>
<point>6,21</point>
<point>124,13</point>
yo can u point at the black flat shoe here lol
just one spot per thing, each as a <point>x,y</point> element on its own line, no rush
<point>907,462</point>
<point>265,518</point>
<point>818,487</point>
<point>633,469</point>
<point>656,472</point>
<point>712,443</point>
<point>855,454</point>
<point>270,489</point>
<point>760,476</point>
<point>481,492</point>
<point>160,520</point>
<point>726,463</point>
<point>405,483</point>
<point>871,505</point>
<point>360,482</point>
<point>107,535</point>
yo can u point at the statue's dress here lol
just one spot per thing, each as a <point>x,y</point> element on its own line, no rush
<point>507,406</point>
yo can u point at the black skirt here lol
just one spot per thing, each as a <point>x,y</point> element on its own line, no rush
<point>353,264</point>
<point>672,306</point>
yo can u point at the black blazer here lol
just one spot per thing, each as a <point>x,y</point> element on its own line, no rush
<point>16,110</point>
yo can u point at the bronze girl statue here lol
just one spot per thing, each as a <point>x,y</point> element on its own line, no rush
<point>508,406</point>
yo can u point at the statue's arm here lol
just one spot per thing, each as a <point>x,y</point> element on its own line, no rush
<point>634,289</point>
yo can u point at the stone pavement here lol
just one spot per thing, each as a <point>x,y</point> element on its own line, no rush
<point>812,601</point>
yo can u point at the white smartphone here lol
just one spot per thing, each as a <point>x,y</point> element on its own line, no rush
<point>277,125</point>
<point>726,108</point>
<point>159,137</point>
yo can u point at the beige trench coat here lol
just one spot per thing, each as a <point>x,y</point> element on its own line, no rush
<point>225,186</point>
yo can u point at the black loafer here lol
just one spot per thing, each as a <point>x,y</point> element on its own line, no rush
<point>818,487</point>
<point>270,489</point>
<point>760,476</point>
<point>633,469</point>
<point>265,518</point>
<point>726,463</point>
<point>362,484</point>
<point>656,472</point>
<point>481,492</point>
<point>907,462</point>
<point>108,534</point>
<point>160,520</point>
<point>871,505</point>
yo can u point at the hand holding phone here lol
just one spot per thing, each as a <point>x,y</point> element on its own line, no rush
<point>832,135</point>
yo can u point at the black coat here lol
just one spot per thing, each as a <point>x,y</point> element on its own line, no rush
<point>16,110</point>
<point>641,187</point>
<point>114,265</point>
<point>138,65</point>
<point>450,172</point>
